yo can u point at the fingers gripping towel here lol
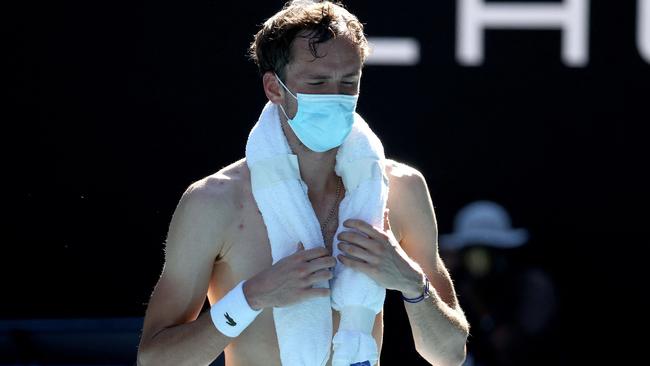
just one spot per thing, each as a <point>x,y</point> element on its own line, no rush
<point>304,329</point>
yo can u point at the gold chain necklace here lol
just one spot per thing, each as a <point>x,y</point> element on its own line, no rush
<point>331,213</point>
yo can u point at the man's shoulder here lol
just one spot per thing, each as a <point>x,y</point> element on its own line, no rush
<point>403,174</point>
<point>408,188</point>
<point>220,189</point>
<point>408,199</point>
<point>206,211</point>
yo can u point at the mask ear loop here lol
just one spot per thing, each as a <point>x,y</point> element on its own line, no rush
<point>284,86</point>
<point>289,91</point>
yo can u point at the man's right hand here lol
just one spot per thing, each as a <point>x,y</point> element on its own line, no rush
<point>290,280</point>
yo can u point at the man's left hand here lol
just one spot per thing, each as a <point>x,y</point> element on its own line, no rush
<point>380,256</point>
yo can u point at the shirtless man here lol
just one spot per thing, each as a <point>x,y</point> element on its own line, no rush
<point>217,236</point>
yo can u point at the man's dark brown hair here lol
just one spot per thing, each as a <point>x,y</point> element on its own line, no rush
<point>319,21</point>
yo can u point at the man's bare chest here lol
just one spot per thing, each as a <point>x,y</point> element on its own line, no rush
<point>246,250</point>
<point>247,253</point>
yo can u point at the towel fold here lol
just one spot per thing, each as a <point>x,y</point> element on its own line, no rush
<point>304,330</point>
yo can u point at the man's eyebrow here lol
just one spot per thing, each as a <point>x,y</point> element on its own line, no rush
<point>317,77</point>
<point>325,77</point>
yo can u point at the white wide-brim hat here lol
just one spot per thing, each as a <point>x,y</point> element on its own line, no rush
<point>483,223</point>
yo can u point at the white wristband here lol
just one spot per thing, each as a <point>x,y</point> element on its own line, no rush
<point>232,314</point>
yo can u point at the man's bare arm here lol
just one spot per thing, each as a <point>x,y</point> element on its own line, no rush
<point>172,333</point>
<point>438,324</point>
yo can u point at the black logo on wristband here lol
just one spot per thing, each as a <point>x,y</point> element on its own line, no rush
<point>230,321</point>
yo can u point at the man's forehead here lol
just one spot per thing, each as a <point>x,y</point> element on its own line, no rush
<point>338,55</point>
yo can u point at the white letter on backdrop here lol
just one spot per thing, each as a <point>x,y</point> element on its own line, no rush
<point>475,16</point>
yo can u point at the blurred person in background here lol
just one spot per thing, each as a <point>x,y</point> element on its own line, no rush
<point>511,304</point>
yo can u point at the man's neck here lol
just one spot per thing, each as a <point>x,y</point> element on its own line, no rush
<point>316,169</point>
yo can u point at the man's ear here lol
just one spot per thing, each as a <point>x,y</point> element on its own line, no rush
<point>272,88</point>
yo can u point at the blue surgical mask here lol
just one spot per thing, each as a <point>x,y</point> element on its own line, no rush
<point>322,121</point>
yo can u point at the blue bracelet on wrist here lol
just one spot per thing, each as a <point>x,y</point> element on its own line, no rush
<point>425,293</point>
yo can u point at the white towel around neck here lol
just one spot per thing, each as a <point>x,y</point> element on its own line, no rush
<point>304,330</point>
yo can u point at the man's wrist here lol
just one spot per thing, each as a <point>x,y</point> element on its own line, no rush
<point>232,314</point>
<point>251,296</point>
<point>414,287</point>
